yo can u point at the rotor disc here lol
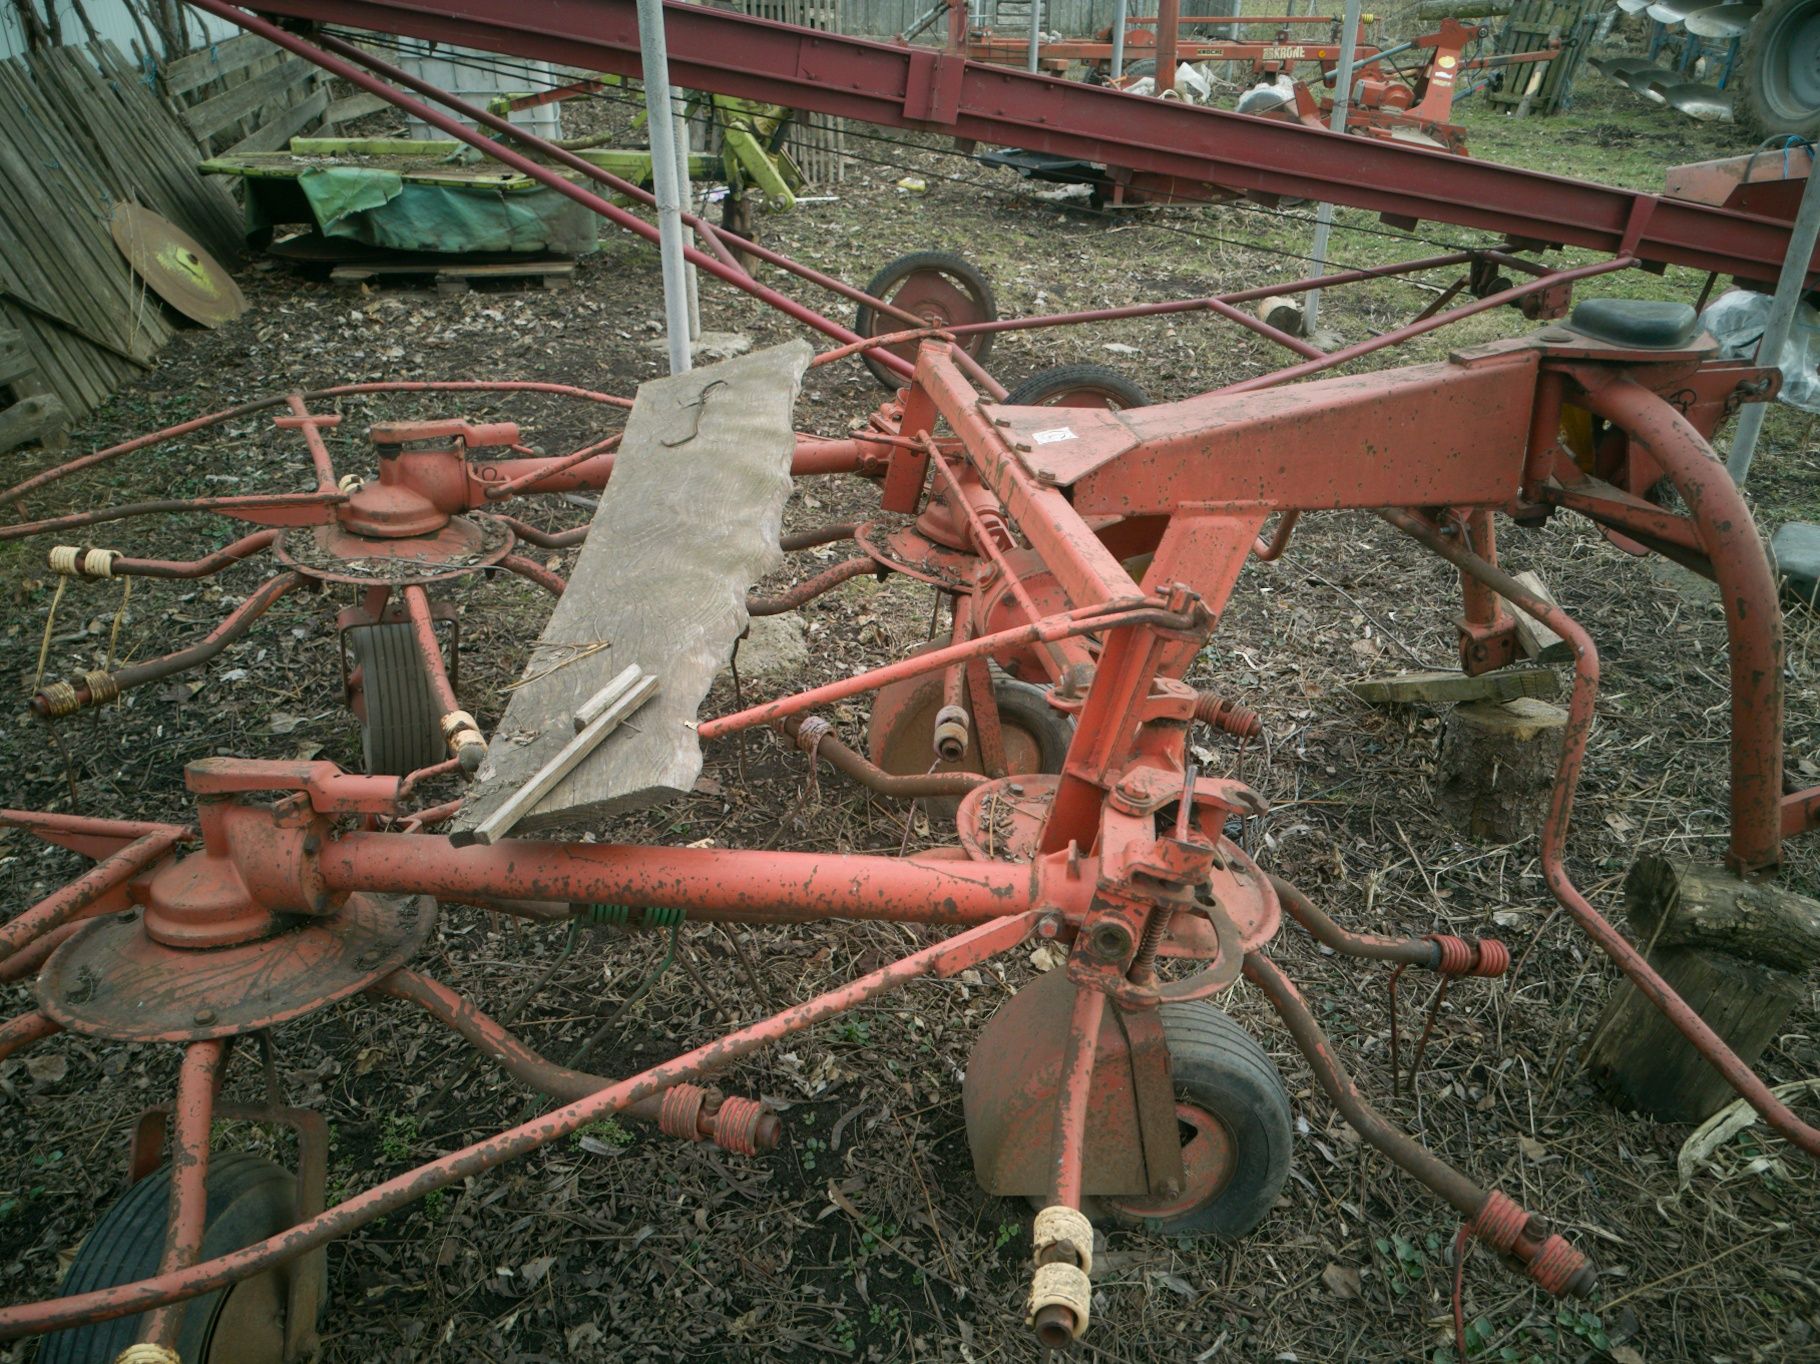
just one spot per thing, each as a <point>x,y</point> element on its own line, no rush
<point>176,267</point>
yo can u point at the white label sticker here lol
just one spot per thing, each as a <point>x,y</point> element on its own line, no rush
<point>1051,436</point>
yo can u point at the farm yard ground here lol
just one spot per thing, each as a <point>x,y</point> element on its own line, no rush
<point>864,1237</point>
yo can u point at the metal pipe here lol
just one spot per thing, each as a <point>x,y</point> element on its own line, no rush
<point>1753,613</point>
<point>51,701</point>
<point>186,1216</point>
<point>708,883</point>
<point>1412,951</point>
<point>1342,104</point>
<point>225,557</point>
<point>1790,285</point>
<point>660,127</point>
<point>1554,836</point>
<point>944,958</point>
<point>1036,34</point>
<point>910,786</point>
<point>810,588</point>
<point>72,901</point>
<point>1118,37</point>
<point>532,571</point>
<point>18,1033</point>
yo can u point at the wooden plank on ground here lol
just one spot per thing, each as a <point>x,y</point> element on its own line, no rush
<point>30,419</point>
<point>1443,688</point>
<point>1534,638</point>
<point>688,524</point>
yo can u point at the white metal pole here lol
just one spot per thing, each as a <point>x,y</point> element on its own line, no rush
<point>1789,288</point>
<point>1342,99</point>
<point>685,196</point>
<point>1036,30</point>
<point>1118,39</point>
<point>660,125</point>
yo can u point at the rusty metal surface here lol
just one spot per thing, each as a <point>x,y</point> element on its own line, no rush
<point>336,554</point>
<point>111,980</point>
<point>175,266</point>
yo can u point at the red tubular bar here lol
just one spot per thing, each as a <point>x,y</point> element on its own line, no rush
<point>247,409</point>
<point>1410,951</point>
<point>553,583</point>
<point>1070,1145</point>
<point>187,1216</point>
<point>225,557</point>
<point>1753,614</point>
<point>429,648</point>
<point>810,588</point>
<point>844,759</point>
<point>1399,335</point>
<point>1551,1261</point>
<point>18,1033</point>
<point>1067,625</point>
<point>1554,835</point>
<point>35,953</point>
<point>279,509</point>
<point>48,703</point>
<point>941,959</point>
<point>709,883</point>
<point>72,901</point>
<point>492,1038</point>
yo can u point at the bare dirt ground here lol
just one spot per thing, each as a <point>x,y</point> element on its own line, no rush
<point>865,1236</point>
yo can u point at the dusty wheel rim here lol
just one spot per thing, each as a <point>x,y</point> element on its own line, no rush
<point>1209,1157</point>
<point>1087,395</point>
<point>249,1324</point>
<point>939,302</point>
<point>1791,70</point>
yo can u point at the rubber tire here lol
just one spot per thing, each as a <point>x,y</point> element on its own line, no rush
<point>403,729</point>
<point>1759,105</point>
<point>1025,706</point>
<point>1220,1069</point>
<point>879,286</point>
<point>1041,390</point>
<point>249,1199</point>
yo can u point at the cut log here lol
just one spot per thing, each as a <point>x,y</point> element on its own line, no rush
<point>31,419</point>
<point>1445,688</point>
<point>1461,9</point>
<point>1736,951</point>
<point>1497,766</point>
<point>1535,639</point>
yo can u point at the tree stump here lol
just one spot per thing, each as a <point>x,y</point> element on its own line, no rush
<point>1736,951</point>
<point>1497,766</point>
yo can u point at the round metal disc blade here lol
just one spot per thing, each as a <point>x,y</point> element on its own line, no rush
<point>1700,101</point>
<point>1722,21</point>
<point>176,268</point>
<point>1618,68</point>
<point>1664,12</point>
<point>1633,6</point>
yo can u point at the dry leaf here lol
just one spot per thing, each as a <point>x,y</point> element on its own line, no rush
<point>47,1067</point>
<point>1342,1280</point>
<point>1531,1148</point>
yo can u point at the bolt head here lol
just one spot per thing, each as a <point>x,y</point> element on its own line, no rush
<point>203,1017</point>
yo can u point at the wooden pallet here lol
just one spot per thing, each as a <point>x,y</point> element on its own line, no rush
<point>454,277</point>
<point>1527,29</point>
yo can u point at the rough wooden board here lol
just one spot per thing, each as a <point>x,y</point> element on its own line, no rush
<point>1504,684</point>
<point>689,523</point>
<point>1535,639</point>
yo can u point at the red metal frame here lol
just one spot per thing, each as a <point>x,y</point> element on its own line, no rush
<point>1121,839</point>
<point>1025,518</point>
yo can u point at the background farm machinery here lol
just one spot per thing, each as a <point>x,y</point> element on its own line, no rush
<point>1086,545</point>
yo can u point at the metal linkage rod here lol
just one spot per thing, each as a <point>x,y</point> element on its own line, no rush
<point>1554,836</point>
<point>941,959</point>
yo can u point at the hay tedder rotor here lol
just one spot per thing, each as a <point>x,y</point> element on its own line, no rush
<point>1087,546</point>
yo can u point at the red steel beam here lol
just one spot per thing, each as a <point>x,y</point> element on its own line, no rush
<point>922,88</point>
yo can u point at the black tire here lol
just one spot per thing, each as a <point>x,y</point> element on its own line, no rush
<point>1136,71</point>
<point>1025,706</point>
<point>1225,1074</point>
<point>249,1199</point>
<point>1088,385</point>
<point>868,322</point>
<point>1777,89</point>
<point>403,730</point>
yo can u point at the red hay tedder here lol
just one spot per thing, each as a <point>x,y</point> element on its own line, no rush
<point>1087,550</point>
